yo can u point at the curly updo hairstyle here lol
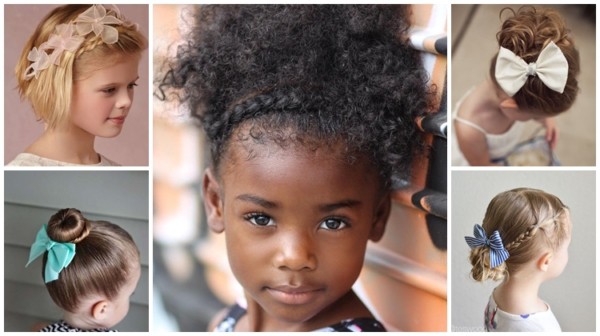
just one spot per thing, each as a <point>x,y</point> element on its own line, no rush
<point>528,221</point>
<point>105,255</point>
<point>526,33</point>
<point>309,75</point>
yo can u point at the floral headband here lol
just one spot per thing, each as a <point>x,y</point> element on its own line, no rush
<point>60,255</point>
<point>69,36</point>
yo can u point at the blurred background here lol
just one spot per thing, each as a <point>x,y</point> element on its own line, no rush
<point>474,29</point>
<point>404,276</point>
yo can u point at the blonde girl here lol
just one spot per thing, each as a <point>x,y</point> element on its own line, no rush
<point>90,268</point>
<point>78,70</point>
<point>523,242</point>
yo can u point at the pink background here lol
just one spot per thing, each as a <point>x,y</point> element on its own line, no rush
<point>130,148</point>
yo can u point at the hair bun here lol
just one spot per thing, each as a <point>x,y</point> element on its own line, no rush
<point>481,271</point>
<point>68,226</point>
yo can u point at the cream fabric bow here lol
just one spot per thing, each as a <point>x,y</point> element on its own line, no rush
<point>551,67</point>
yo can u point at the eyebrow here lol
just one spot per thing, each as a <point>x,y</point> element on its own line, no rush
<point>257,200</point>
<point>349,203</point>
<point>115,83</point>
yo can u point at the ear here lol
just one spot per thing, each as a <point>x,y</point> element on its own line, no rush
<point>382,214</point>
<point>543,263</point>
<point>213,204</point>
<point>509,104</point>
<point>100,310</point>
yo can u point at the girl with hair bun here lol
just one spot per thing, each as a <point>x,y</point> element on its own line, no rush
<point>90,269</point>
<point>78,70</point>
<point>310,115</point>
<point>533,76</point>
<point>524,242</point>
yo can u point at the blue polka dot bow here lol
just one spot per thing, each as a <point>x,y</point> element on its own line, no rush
<point>60,255</point>
<point>498,254</point>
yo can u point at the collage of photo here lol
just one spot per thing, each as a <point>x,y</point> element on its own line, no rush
<point>299,167</point>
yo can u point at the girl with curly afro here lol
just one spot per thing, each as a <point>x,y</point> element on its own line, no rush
<point>309,112</point>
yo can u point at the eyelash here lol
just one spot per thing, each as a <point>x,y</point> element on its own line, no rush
<point>342,223</point>
<point>251,217</point>
<point>112,89</point>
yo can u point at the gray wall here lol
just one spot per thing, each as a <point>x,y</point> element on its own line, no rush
<point>572,296</point>
<point>31,197</point>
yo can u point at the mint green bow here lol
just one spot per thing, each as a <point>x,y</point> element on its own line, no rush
<point>60,255</point>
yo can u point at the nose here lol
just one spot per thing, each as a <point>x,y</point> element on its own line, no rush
<point>124,99</point>
<point>296,252</point>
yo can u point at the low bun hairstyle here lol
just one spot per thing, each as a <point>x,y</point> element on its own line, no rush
<point>529,221</point>
<point>105,255</point>
<point>526,33</point>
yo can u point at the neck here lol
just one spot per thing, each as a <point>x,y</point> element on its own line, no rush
<point>519,294</point>
<point>79,321</point>
<point>348,306</point>
<point>72,145</point>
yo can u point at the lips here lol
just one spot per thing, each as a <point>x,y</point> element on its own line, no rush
<point>117,120</point>
<point>295,295</point>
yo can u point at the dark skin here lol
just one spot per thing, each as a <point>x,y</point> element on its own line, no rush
<point>297,222</point>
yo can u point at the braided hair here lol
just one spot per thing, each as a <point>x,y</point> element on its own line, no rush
<point>528,220</point>
<point>309,75</point>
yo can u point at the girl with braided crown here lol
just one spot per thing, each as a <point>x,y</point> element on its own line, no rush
<point>309,111</point>
<point>523,241</point>
<point>78,70</point>
<point>90,268</point>
<point>533,76</point>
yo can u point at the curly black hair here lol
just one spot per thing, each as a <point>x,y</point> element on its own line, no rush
<point>329,73</point>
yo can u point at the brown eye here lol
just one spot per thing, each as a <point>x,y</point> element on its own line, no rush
<point>260,220</point>
<point>333,224</point>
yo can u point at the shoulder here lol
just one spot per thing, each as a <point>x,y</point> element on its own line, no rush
<point>59,326</point>
<point>28,159</point>
<point>227,319</point>
<point>217,319</point>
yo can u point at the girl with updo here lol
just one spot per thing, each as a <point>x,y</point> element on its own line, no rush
<point>522,242</point>
<point>310,114</point>
<point>90,268</point>
<point>533,76</point>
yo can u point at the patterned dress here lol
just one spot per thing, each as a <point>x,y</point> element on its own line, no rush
<point>62,326</point>
<point>351,325</point>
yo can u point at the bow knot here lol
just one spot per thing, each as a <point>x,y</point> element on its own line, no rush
<point>498,254</point>
<point>551,67</point>
<point>60,255</point>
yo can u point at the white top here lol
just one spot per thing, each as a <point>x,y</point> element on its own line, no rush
<point>499,145</point>
<point>496,319</point>
<point>27,159</point>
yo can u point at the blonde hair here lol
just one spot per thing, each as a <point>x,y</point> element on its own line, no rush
<point>526,33</point>
<point>528,221</point>
<point>105,255</point>
<point>50,94</point>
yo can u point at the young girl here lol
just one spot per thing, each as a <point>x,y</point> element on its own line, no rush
<point>78,70</point>
<point>523,241</point>
<point>90,268</point>
<point>533,76</point>
<point>309,111</point>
